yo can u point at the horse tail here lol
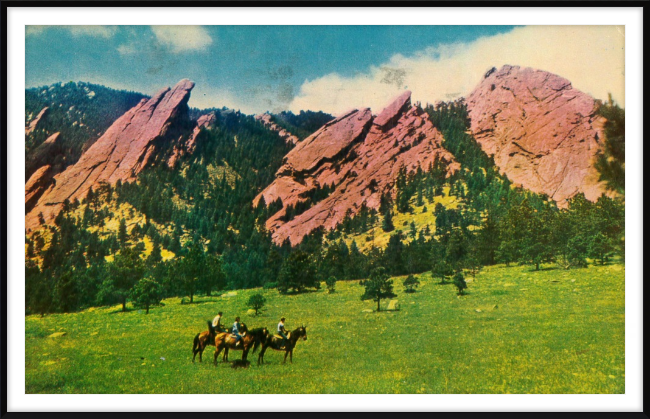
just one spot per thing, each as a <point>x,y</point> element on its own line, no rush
<point>196,342</point>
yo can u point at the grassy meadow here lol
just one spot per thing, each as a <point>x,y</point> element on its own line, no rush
<point>517,331</point>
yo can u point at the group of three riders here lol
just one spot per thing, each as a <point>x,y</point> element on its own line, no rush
<point>216,324</point>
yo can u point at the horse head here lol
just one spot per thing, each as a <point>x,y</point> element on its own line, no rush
<point>302,330</point>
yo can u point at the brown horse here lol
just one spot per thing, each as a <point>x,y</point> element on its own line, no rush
<point>203,339</point>
<point>275,342</point>
<point>227,341</point>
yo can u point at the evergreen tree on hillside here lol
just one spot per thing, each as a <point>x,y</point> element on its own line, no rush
<point>122,236</point>
<point>387,223</point>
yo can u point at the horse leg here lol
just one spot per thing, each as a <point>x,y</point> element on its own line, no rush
<point>291,355</point>
<point>201,354</point>
<point>216,355</point>
<point>260,357</point>
<point>285,356</point>
<point>225,355</point>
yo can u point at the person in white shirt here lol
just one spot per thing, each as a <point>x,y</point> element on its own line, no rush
<point>216,323</point>
<point>282,331</point>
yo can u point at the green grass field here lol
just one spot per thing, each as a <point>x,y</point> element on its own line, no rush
<point>517,331</point>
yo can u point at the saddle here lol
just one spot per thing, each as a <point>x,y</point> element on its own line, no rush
<point>277,336</point>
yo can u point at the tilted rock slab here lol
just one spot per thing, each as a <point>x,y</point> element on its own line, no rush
<point>359,155</point>
<point>265,119</point>
<point>542,132</point>
<point>127,147</point>
<point>205,121</point>
<point>34,122</point>
<point>44,154</point>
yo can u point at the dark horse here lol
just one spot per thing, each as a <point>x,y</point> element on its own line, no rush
<point>203,339</point>
<point>275,342</point>
<point>227,341</point>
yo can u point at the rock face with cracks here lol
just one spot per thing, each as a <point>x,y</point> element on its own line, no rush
<point>138,138</point>
<point>542,132</point>
<point>359,156</point>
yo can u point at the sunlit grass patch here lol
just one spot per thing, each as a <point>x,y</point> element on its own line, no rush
<point>517,331</point>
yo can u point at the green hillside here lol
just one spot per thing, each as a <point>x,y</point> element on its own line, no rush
<point>516,331</point>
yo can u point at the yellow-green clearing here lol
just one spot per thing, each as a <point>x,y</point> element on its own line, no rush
<point>517,331</point>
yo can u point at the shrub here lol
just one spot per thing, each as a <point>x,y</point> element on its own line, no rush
<point>331,283</point>
<point>459,282</point>
<point>410,283</point>
<point>256,302</point>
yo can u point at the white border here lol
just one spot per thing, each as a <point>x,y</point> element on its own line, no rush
<point>630,17</point>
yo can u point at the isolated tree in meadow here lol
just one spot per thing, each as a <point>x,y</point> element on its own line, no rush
<point>459,282</point>
<point>379,286</point>
<point>256,302</point>
<point>331,284</point>
<point>146,293</point>
<point>410,283</point>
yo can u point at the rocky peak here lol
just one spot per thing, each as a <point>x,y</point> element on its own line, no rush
<point>133,141</point>
<point>33,124</point>
<point>391,114</point>
<point>266,120</point>
<point>359,157</point>
<point>542,132</point>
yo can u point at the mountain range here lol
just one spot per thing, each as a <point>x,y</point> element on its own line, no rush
<point>542,134</point>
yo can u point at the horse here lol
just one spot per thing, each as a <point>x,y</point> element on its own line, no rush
<point>203,339</point>
<point>275,343</point>
<point>253,338</point>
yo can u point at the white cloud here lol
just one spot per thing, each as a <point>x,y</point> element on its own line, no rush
<point>97,31</point>
<point>204,96</point>
<point>182,38</point>
<point>591,57</point>
<point>127,49</point>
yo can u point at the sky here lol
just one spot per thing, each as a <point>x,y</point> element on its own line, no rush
<point>329,68</point>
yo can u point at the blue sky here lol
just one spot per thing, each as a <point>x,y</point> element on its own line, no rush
<point>260,68</point>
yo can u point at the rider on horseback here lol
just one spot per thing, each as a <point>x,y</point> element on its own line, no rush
<point>216,323</point>
<point>235,331</point>
<point>282,332</point>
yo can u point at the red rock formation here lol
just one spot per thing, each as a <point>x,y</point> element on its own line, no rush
<point>204,121</point>
<point>34,123</point>
<point>357,155</point>
<point>37,184</point>
<point>542,132</point>
<point>130,144</point>
<point>44,154</point>
<point>265,119</point>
